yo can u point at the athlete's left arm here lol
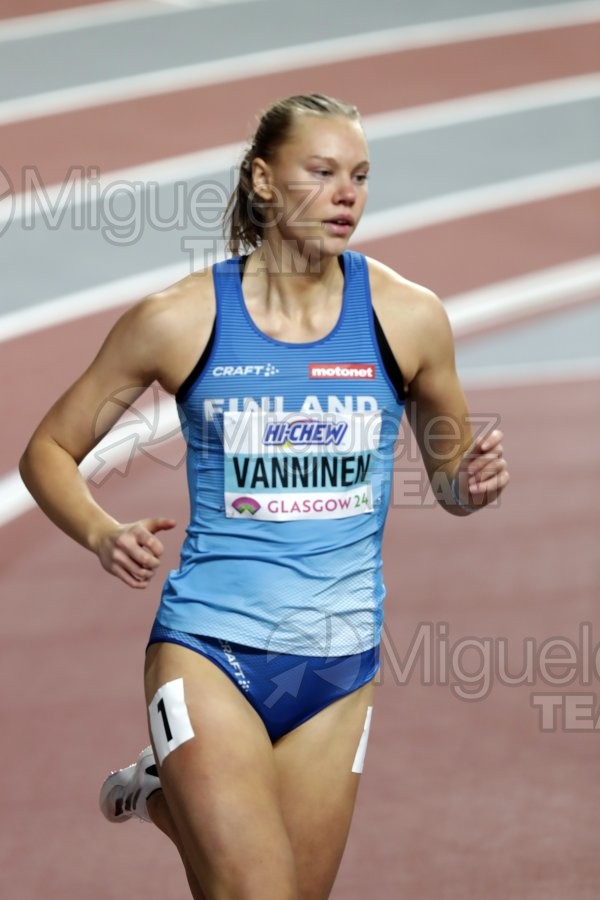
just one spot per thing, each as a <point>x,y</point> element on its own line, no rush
<point>471,470</point>
<point>466,472</point>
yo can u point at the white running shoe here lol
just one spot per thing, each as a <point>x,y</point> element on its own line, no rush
<point>125,792</point>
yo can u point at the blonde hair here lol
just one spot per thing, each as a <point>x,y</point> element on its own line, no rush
<point>244,217</point>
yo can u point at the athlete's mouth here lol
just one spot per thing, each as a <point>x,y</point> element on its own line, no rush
<point>345,220</point>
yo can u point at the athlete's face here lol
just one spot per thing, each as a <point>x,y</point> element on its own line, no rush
<point>317,184</point>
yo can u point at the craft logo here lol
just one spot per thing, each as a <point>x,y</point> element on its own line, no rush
<point>245,505</point>
<point>360,371</point>
<point>230,371</point>
<point>304,433</point>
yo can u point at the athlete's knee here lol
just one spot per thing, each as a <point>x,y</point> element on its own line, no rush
<point>265,870</point>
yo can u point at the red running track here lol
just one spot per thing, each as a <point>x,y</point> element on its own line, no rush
<point>12,8</point>
<point>133,132</point>
<point>459,799</point>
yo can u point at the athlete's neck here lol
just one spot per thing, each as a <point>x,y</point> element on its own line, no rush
<point>292,283</point>
<point>291,304</point>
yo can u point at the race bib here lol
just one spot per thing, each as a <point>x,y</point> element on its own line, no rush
<point>282,466</point>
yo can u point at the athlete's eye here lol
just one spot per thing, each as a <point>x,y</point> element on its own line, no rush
<point>361,178</point>
<point>323,172</point>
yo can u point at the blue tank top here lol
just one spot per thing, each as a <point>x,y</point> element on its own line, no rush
<point>290,451</point>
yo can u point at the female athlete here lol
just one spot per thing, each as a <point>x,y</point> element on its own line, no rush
<point>292,366</point>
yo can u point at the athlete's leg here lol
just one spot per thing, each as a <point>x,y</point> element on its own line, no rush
<point>317,802</point>
<point>161,816</point>
<point>318,788</point>
<point>222,785</point>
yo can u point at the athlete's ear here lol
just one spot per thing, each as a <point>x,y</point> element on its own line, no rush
<point>261,179</point>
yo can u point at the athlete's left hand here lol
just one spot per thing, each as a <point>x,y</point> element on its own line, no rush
<point>483,472</point>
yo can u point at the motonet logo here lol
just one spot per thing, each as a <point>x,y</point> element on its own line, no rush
<point>361,371</point>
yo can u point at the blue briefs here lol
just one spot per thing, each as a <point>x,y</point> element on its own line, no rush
<point>284,689</point>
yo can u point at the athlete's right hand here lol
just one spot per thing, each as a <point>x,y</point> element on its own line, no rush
<point>132,552</point>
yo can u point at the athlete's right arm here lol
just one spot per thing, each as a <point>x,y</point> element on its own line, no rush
<point>145,345</point>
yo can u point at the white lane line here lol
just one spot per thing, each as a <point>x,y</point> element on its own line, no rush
<point>34,197</point>
<point>82,187</point>
<point>81,304</point>
<point>488,105</point>
<point>400,219</point>
<point>42,24</point>
<point>301,56</point>
<point>537,292</point>
<point>526,374</point>
<point>109,13</point>
<point>200,4</point>
<point>160,420</point>
<point>15,499</point>
<point>477,201</point>
<point>196,4</point>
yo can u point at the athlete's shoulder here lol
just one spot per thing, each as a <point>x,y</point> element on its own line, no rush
<point>412,317</point>
<point>162,334</point>
<point>388,285</point>
<point>170,312</point>
<point>178,306</point>
<point>396,298</point>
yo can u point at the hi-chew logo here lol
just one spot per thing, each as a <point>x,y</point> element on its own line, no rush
<point>246,506</point>
<point>360,371</point>
<point>304,433</point>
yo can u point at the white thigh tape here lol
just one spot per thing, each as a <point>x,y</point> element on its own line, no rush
<point>169,718</point>
<point>359,759</point>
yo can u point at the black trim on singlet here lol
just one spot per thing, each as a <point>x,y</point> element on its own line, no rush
<point>196,372</point>
<point>393,370</point>
<point>198,368</point>
<point>201,364</point>
<point>391,366</point>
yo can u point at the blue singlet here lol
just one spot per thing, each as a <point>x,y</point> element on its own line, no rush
<point>290,453</point>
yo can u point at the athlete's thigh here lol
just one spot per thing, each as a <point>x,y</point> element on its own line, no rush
<point>318,787</point>
<point>221,785</point>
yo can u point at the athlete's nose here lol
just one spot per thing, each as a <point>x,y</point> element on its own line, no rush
<point>345,192</point>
